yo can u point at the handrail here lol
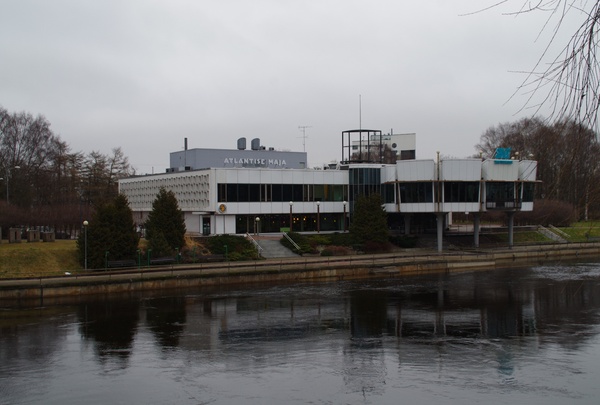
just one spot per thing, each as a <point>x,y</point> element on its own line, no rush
<point>291,241</point>
<point>551,235</point>
<point>259,249</point>
<point>558,231</point>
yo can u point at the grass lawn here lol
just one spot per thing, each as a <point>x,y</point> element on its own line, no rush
<point>40,259</point>
<point>18,260</point>
<point>583,231</point>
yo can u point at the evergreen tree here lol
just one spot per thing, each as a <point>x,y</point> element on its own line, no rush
<point>111,230</point>
<point>165,221</point>
<point>369,221</point>
<point>159,246</point>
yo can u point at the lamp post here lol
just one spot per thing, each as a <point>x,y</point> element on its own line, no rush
<point>85,225</point>
<point>318,216</point>
<point>257,226</point>
<point>7,170</point>
<point>291,218</point>
<point>344,219</point>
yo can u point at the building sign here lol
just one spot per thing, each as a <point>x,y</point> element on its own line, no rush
<point>254,162</point>
<point>502,156</point>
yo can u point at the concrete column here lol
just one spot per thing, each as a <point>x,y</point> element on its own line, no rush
<point>476,224</point>
<point>511,220</point>
<point>407,224</point>
<point>440,230</point>
<point>14,235</point>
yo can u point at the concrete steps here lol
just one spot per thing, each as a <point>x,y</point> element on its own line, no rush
<point>272,248</point>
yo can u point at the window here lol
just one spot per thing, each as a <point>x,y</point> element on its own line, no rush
<point>461,191</point>
<point>421,192</point>
<point>500,192</point>
<point>388,194</point>
<point>528,192</point>
<point>253,192</point>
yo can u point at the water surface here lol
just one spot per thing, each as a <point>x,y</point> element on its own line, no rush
<point>507,336</point>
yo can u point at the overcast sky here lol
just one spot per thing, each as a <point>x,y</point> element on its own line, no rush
<point>144,75</point>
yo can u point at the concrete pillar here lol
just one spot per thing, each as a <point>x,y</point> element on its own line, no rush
<point>14,235</point>
<point>511,220</point>
<point>440,230</point>
<point>476,224</point>
<point>48,236</point>
<point>407,224</point>
<point>33,235</point>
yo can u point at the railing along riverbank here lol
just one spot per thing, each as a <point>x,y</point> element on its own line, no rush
<point>397,264</point>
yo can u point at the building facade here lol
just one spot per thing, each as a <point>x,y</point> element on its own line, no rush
<point>417,194</point>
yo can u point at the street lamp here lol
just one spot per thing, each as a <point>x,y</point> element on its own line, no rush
<point>85,225</point>
<point>318,216</point>
<point>257,226</point>
<point>7,170</point>
<point>344,219</point>
<point>291,218</point>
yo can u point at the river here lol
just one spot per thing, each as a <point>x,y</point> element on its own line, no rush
<point>529,335</point>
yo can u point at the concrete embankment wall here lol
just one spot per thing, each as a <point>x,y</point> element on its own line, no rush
<point>296,269</point>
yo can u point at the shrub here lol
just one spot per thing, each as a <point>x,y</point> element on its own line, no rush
<point>376,247</point>
<point>546,212</point>
<point>238,247</point>
<point>335,251</point>
<point>300,240</point>
<point>406,242</point>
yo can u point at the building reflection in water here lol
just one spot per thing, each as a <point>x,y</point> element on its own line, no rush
<point>358,315</point>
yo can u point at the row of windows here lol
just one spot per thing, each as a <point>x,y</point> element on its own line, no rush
<point>418,192</point>
<point>281,192</point>
<point>422,192</point>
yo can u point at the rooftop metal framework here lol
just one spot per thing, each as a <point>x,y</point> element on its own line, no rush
<point>370,146</point>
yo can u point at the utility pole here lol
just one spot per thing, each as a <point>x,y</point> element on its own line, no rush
<point>304,136</point>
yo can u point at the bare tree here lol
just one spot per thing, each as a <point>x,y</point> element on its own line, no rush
<point>569,82</point>
<point>567,153</point>
<point>52,185</point>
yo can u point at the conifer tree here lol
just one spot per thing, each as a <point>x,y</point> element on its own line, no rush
<point>369,221</point>
<point>159,246</point>
<point>111,230</point>
<point>165,221</point>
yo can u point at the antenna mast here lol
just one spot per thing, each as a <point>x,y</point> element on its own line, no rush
<point>304,136</point>
<point>359,111</point>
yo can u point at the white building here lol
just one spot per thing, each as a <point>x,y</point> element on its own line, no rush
<point>417,194</point>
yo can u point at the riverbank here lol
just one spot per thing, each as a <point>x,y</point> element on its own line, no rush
<point>409,262</point>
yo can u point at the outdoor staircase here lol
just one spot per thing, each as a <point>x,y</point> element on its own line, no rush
<point>553,233</point>
<point>270,247</point>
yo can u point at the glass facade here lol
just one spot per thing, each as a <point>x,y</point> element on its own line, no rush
<point>418,192</point>
<point>273,223</point>
<point>364,181</point>
<point>281,192</point>
<point>467,191</point>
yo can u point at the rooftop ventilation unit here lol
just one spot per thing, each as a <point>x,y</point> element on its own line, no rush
<point>241,144</point>
<point>255,144</point>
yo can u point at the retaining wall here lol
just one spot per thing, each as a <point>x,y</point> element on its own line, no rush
<point>299,269</point>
